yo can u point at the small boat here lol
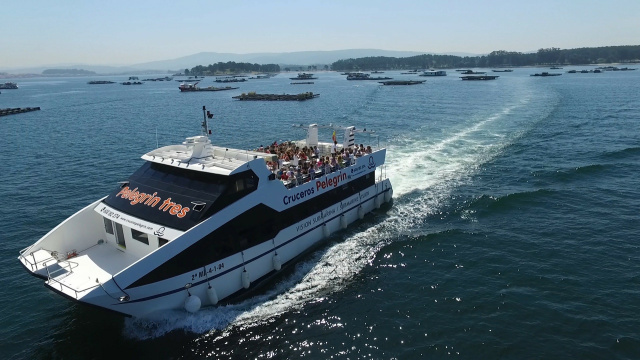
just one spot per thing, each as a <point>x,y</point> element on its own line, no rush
<point>187,87</point>
<point>304,76</point>
<point>502,70</point>
<point>199,224</point>
<point>471,72</point>
<point>434,73</point>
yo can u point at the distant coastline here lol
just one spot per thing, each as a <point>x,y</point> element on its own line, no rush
<point>348,60</point>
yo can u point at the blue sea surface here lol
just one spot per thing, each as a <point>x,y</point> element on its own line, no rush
<point>513,232</point>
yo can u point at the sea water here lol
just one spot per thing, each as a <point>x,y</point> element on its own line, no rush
<point>513,231</point>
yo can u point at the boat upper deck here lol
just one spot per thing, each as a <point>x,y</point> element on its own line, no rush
<point>197,153</point>
<point>291,159</point>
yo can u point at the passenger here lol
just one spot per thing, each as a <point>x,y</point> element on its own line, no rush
<point>334,148</point>
<point>316,151</point>
<point>298,176</point>
<point>369,151</point>
<point>302,156</point>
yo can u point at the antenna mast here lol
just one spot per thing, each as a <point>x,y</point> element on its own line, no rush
<point>205,124</point>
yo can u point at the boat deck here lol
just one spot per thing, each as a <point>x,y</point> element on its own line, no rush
<point>89,268</point>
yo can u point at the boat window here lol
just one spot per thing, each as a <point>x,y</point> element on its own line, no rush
<point>140,236</point>
<point>239,185</point>
<point>108,226</point>
<point>120,236</point>
<point>162,241</point>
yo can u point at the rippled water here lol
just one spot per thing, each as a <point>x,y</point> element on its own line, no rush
<point>513,232</point>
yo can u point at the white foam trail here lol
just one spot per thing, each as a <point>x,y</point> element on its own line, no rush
<point>444,161</point>
<point>413,165</point>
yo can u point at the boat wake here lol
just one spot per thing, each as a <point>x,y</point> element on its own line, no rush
<point>413,165</point>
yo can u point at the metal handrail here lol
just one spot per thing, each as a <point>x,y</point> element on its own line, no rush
<point>35,262</point>
<point>52,280</point>
<point>70,288</point>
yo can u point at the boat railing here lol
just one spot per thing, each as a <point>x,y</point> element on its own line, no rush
<point>35,263</point>
<point>51,279</point>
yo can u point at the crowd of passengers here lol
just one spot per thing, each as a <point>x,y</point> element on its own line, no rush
<point>296,165</point>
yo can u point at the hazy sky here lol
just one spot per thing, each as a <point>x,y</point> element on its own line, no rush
<point>119,32</point>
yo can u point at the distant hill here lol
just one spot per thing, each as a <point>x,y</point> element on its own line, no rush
<point>67,72</point>
<point>206,58</point>
<point>297,58</point>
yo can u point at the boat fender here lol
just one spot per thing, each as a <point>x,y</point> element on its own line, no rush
<point>325,230</point>
<point>212,295</point>
<point>277,265</point>
<point>388,195</point>
<point>360,212</point>
<point>245,279</point>
<point>343,221</point>
<point>192,303</point>
<point>378,202</point>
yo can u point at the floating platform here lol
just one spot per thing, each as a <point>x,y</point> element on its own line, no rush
<point>276,97</point>
<point>302,83</point>
<point>209,88</point>
<point>479,77</point>
<point>11,111</point>
<point>100,82</point>
<point>230,80</point>
<point>402,82</point>
<point>545,74</point>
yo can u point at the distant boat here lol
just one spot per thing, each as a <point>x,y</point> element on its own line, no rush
<point>471,72</point>
<point>186,87</point>
<point>100,82</point>
<point>304,76</point>
<point>434,73</point>
<point>502,70</point>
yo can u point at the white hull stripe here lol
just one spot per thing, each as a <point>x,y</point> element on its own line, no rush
<point>250,260</point>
